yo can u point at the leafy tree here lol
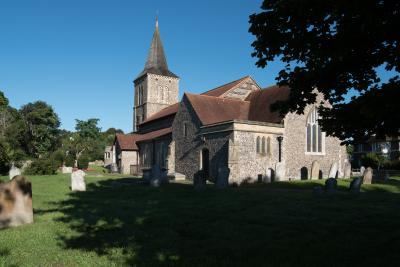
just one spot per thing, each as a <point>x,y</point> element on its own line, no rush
<point>42,128</point>
<point>337,47</point>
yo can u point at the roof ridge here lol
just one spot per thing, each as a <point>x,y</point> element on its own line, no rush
<point>247,76</point>
<point>217,97</point>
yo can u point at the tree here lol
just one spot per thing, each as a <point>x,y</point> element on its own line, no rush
<point>42,125</point>
<point>335,46</point>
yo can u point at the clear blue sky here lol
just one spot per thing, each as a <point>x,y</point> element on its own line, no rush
<point>81,56</point>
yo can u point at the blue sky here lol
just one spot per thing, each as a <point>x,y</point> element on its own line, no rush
<point>81,56</point>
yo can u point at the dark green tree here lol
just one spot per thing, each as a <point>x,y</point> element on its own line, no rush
<point>42,125</point>
<point>335,46</point>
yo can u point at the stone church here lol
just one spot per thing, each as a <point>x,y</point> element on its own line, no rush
<point>228,126</point>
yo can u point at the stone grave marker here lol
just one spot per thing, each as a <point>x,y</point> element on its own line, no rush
<point>199,181</point>
<point>355,185</point>
<point>362,170</point>
<point>269,176</point>
<point>66,169</point>
<point>78,181</point>
<point>14,171</point>
<point>223,177</point>
<point>367,177</point>
<point>280,171</point>
<point>315,170</point>
<point>333,170</point>
<point>16,202</point>
<point>155,176</point>
<point>330,186</point>
<point>347,170</point>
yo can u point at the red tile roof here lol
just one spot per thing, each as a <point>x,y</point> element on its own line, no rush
<point>154,134</point>
<point>212,110</point>
<point>170,110</point>
<point>127,141</point>
<point>220,90</point>
<point>261,101</point>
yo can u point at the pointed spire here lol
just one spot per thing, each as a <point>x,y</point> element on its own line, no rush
<point>156,61</point>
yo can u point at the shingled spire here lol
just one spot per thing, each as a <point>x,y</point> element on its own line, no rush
<point>156,61</point>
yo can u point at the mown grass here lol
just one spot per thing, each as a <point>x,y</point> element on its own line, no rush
<point>279,224</point>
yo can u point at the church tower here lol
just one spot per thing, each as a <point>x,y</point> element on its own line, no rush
<point>156,87</point>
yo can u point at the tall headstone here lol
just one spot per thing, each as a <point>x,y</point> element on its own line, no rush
<point>269,176</point>
<point>367,177</point>
<point>315,170</point>
<point>223,177</point>
<point>333,170</point>
<point>362,170</point>
<point>280,171</point>
<point>16,202</point>
<point>199,181</point>
<point>347,170</point>
<point>355,185</point>
<point>14,171</point>
<point>78,181</point>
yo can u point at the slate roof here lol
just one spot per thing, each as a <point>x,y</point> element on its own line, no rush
<point>220,90</point>
<point>154,134</point>
<point>165,112</point>
<point>127,141</point>
<point>156,61</point>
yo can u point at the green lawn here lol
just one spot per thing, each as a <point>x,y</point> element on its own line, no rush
<point>279,224</point>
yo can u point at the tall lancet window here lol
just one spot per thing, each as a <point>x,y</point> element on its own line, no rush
<point>315,139</point>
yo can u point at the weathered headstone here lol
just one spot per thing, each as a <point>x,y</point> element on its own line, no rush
<point>269,176</point>
<point>66,169</point>
<point>16,202</point>
<point>78,181</point>
<point>362,170</point>
<point>315,170</point>
<point>333,170</point>
<point>347,170</point>
<point>14,171</point>
<point>355,185</point>
<point>330,185</point>
<point>199,181</point>
<point>367,177</point>
<point>280,171</point>
<point>223,177</point>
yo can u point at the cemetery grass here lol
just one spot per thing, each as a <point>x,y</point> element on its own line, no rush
<point>278,224</point>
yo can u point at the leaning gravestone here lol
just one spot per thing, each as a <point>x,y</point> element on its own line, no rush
<point>355,185</point>
<point>78,181</point>
<point>347,170</point>
<point>199,181</point>
<point>367,177</point>
<point>330,185</point>
<point>362,170</point>
<point>223,177</point>
<point>280,171</point>
<point>14,171</point>
<point>315,170</point>
<point>333,170</point>
<point>16,202</point>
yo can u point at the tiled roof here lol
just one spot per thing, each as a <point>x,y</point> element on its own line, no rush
<point>154,134</point>
<point>212,110</point>
<point>261,101</point>
<point>220,90</point>
<point>127,141</point>
<point>170,110</point>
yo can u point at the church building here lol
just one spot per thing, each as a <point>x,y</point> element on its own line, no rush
<point>228,126</point>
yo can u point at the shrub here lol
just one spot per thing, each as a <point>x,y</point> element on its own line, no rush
<point>42,167</point>
<point>83,162</point>
<point>70,160</point>
<point>372,160</point>
<point>58,157</point>
<point>4,161</point>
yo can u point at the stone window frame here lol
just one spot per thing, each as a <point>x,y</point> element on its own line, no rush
<point>258,145</point>
<point>263,145</point>
<point>313,134</point>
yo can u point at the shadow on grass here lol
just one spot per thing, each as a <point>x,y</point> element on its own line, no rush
<point>247,226</point>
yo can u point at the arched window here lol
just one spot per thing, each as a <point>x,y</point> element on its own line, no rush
<point>258,144</point>
<point>263,145</point>
<point>315,139</point>
<point>269,146</point>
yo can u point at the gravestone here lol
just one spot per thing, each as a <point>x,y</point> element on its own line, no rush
<point>269,176</point>
<point>355,185</point>
<point>14,171</point>
<point>330,185</point>
<point>16,202</point>
<point>318,190</point>
<point>155,176</point>
<point>223,177</point>
<point>386,176</point>
<point>315,170</point>
<point>66,169</point>
<point>333,170</point>
<point>199,181</point>
<point>279,171</point>
<point>362,170</point>
<point>367,177</point>
<point>78,181</point>
<point>347,170</point>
